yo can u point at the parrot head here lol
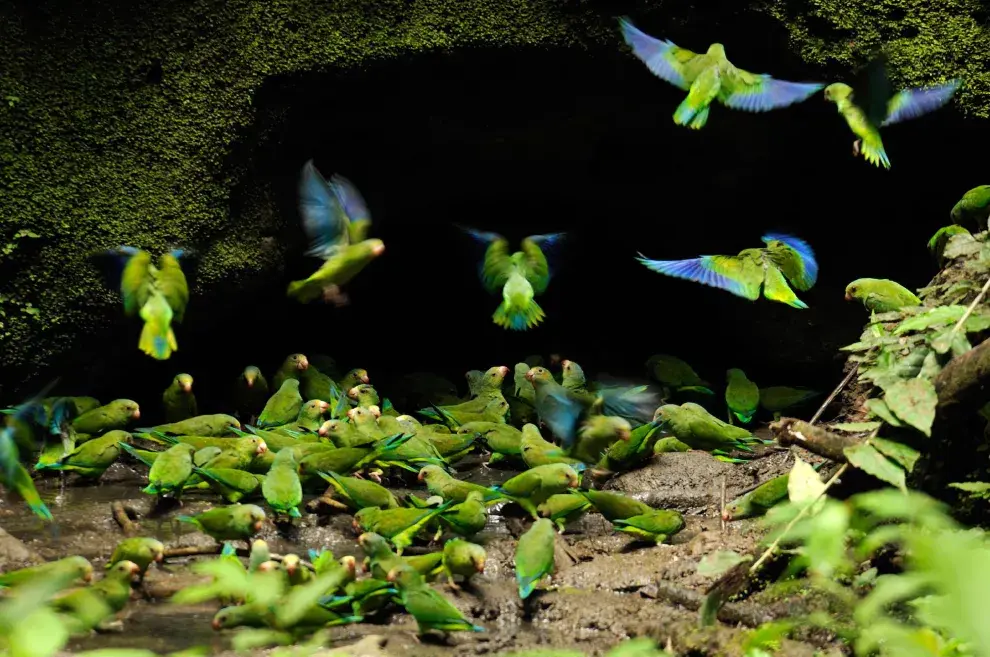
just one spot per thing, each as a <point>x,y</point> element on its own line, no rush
<point>299,361</point>
<point>479,562</point>
<point>363,388</point>
<point>716,50</point>
<point>838,91</point>
<point>328,426</point>
<point>497,374</point>
<point>734,374</point>
<point>159,549</point>
<point>251,374</point>
<point>538,374</point>
<point>290,563</point>
<point>427,471</point>
<point>128,407</point>
<point>853,291</point>
<point>350,563</point>
<point>261,447</point>
<point>360,374</point>
<point>184,381</point>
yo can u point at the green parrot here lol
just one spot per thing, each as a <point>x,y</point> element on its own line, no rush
<point>501,438</point>
<point>360,493</point>
<point>531,488</point>
<point>669,444</point>
<point>462,558</point>
<point>281,487</point>
<point>310,418</point>
<point>217,425</point>
<point>494,409</point>
<point>237,453</point>
<point>381,559</point>
<point>940,240</point>
<point>881,294</point>
<point>431,610</point>
<point>759,500</point>
<point>523,387</point>
<point>742,396</point>
<point>336,221</point>
<point>538,451</point>
<point>76,568</point>
<point>229,523</point>
<point>178,399</point>
<point>293,367</point>
<point>696,427</point>
<point>169,472</point>
<point>711,77</point>
<point>778,398</point>
<point>141,550</point>
<point>563,508</point>
<point>115,415</point>
<point>625,454</point>
<point>316,384</point>
<point>785,258</point>
<point>439,482</point>
<point>973,208</point>
<point>534,556</point>
<point>258,555</point>
<point>283,407</point>
<point>676,375</point>
<point>364,395</point>
<point>871,103</point>
<point>114,590</point>
<point>487,383</point>
<point>614,506</point>
<point>347,434</point>
<point>250,393</point>
<point>231,484</point>
<point>656,526</point>
<point>157,294</point>
<point>340,460</point>
<point>400,525</point>
<point>519,276</point>
<point>597,435</point>
<point>572,376</point>
<point>467,518</point>
<point>365,597</point>
<point>449,445</point>
<point>92,458</point>
<point>297,572</point>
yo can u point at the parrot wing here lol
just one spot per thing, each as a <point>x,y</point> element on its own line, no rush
<point>758,92</point>
<point>536,268</point>
<point>665,59</point>
<point>559,411</point>
<point>135,280</point>
<point>354,207</point>
<point>912,103</point>
<point>739,275</point>
<point>497,263</point>
<point>775,288</point>
<point>324,218</point>
<point>871,89</point>
<point>796,261</point>
<point>171,282</point>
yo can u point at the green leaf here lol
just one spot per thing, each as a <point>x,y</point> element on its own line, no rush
<point>899,452</point>
<point>825,546</point>
<point>940,316</point>
<point>931,367</point>
<point>855,427</point>
<point>41,634</point>
<point>978,489</point>
<point>804,486</point>
<point>879,408</point>
<point>251,638</point>
<point>913,401</point>
<point>947,340</point>
<point>719,562</point>
<point>872,462</point>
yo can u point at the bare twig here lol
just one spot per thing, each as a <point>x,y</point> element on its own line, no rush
<point>834,394</point>
<point>721,507</point>
<point>804,510</point>
<point>128,526</point>
<point>192,551</point>
<point>790,431</point>
<point>972,307</point>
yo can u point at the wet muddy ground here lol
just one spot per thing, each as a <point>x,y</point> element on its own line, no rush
<point>607,587</point>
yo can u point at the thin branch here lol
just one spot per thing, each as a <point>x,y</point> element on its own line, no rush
<point>972,307</point>
<point>834,394</point>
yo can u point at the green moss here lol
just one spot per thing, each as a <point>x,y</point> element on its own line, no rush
<point>927,42</point>
<point>117,120</point>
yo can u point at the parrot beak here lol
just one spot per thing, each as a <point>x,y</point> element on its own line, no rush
<point>480,566</point>
<point>186,387</point>
<point>624,434</point>
<point>250,382</point>
<point>378,250</point>
<point>258,525</point>
<point>351,413</point>
<point>324,407</point>
<point>365,378</point>
<point>216,625</point>
<point>136,414</point>
<point>377,412</point>
<point>375,477</point>
<point>391,575</point>
<point>848,297</point>
<point>504,370</point>
<point>572,483</point>
<point>565,363</point>
<point>88,577</point>
<point>303,364</point>
<point>726,515</point>
<point>353,392</point>
<point>159,557</point>
<point>529,376</point>
<point>324,429</point>
<point>350,563</point>
<point>262,448</point>
<point>421,475</point>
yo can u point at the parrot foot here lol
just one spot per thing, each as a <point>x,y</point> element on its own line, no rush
<point>333,294</point>
<point>357,475</point>
<point>454,586</point>
<point>856,147</point>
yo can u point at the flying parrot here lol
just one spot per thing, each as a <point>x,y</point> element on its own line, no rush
<point>336,221</point>
<point>785,258</point>
<point>521,276</point>
<point>710,77</point>
<point>871,103</point>
<point>157,294</point>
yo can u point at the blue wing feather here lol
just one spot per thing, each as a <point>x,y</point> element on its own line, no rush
<point>350,198</point>
<point>323,216</point>
<point>30,411</point>
<point>803,249</point>
<point>912,103</point>
<point>653,52</point>
<point>771,94</point>
<point>559,412</point>
<point>698,270</point>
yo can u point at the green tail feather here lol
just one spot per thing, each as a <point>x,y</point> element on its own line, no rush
<point>157,340</point>
<point>518,318</point>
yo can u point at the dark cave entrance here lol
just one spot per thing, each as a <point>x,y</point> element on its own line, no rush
<point>531,141</point>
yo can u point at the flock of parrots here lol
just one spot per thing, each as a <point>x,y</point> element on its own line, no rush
<point>318,430</point>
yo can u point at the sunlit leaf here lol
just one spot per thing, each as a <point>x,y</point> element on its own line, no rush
<point>939,316</point>
<point>899,452</point>
<point>804,486</point>
<point>872,462</point>
<point>978,489</point>
<point>913,401</point>
<point>879,408</point>
<point>855,427</point>
<point>931,366</point>
<point>251,638</point>
<point>887,504</point>
<point>768,635</point>
<point>41,634</point>
<point>825,547</point>
<point>719,562</point>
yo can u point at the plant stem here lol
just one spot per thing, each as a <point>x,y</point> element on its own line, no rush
<point>972,306</point>
<point>834,394</point>
<point>773,546</point>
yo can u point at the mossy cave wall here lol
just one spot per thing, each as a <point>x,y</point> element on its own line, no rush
<point>133,122</point>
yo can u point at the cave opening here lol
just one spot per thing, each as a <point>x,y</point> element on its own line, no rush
<point>582,141</point>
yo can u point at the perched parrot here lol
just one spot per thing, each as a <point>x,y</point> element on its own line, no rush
<point>201,425</point>
<point>282,488</point>
<point>179,400</point>
<point>115,415</point>
<point>92,458</point>
<point>696,427</point>
<point>538,451</point>
<point>534,486</point>
<point>784,259</point>
<point>293,367</point>
<point>656,526</point>
<point>881,295</point>
<point>534,555</point>
<point>360,493</point>
<point>872,104</point>
<point>940,240</point>
<point>169,472</point>
<point>77,567</point>
<point>467,518</point>
<point>710,77</point>
<point>232,484</point>
<point>141,550</point>
<point>400,525</point>
<point>283,407</point>
<point>563,508</point>
<point>250,393</point>
<point>676,375</point>
<point>614,506</point>
<point>462,558</point>
<point>438,482</point>
<point>742,396</point>
<point>336,221</point>
<point>157,294</point>
<point>759,500</point>
<point>624,454</point>
<point>229,523</point>
<point>973,208</point>
<point>431,610</point>
<point>521,276</point>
